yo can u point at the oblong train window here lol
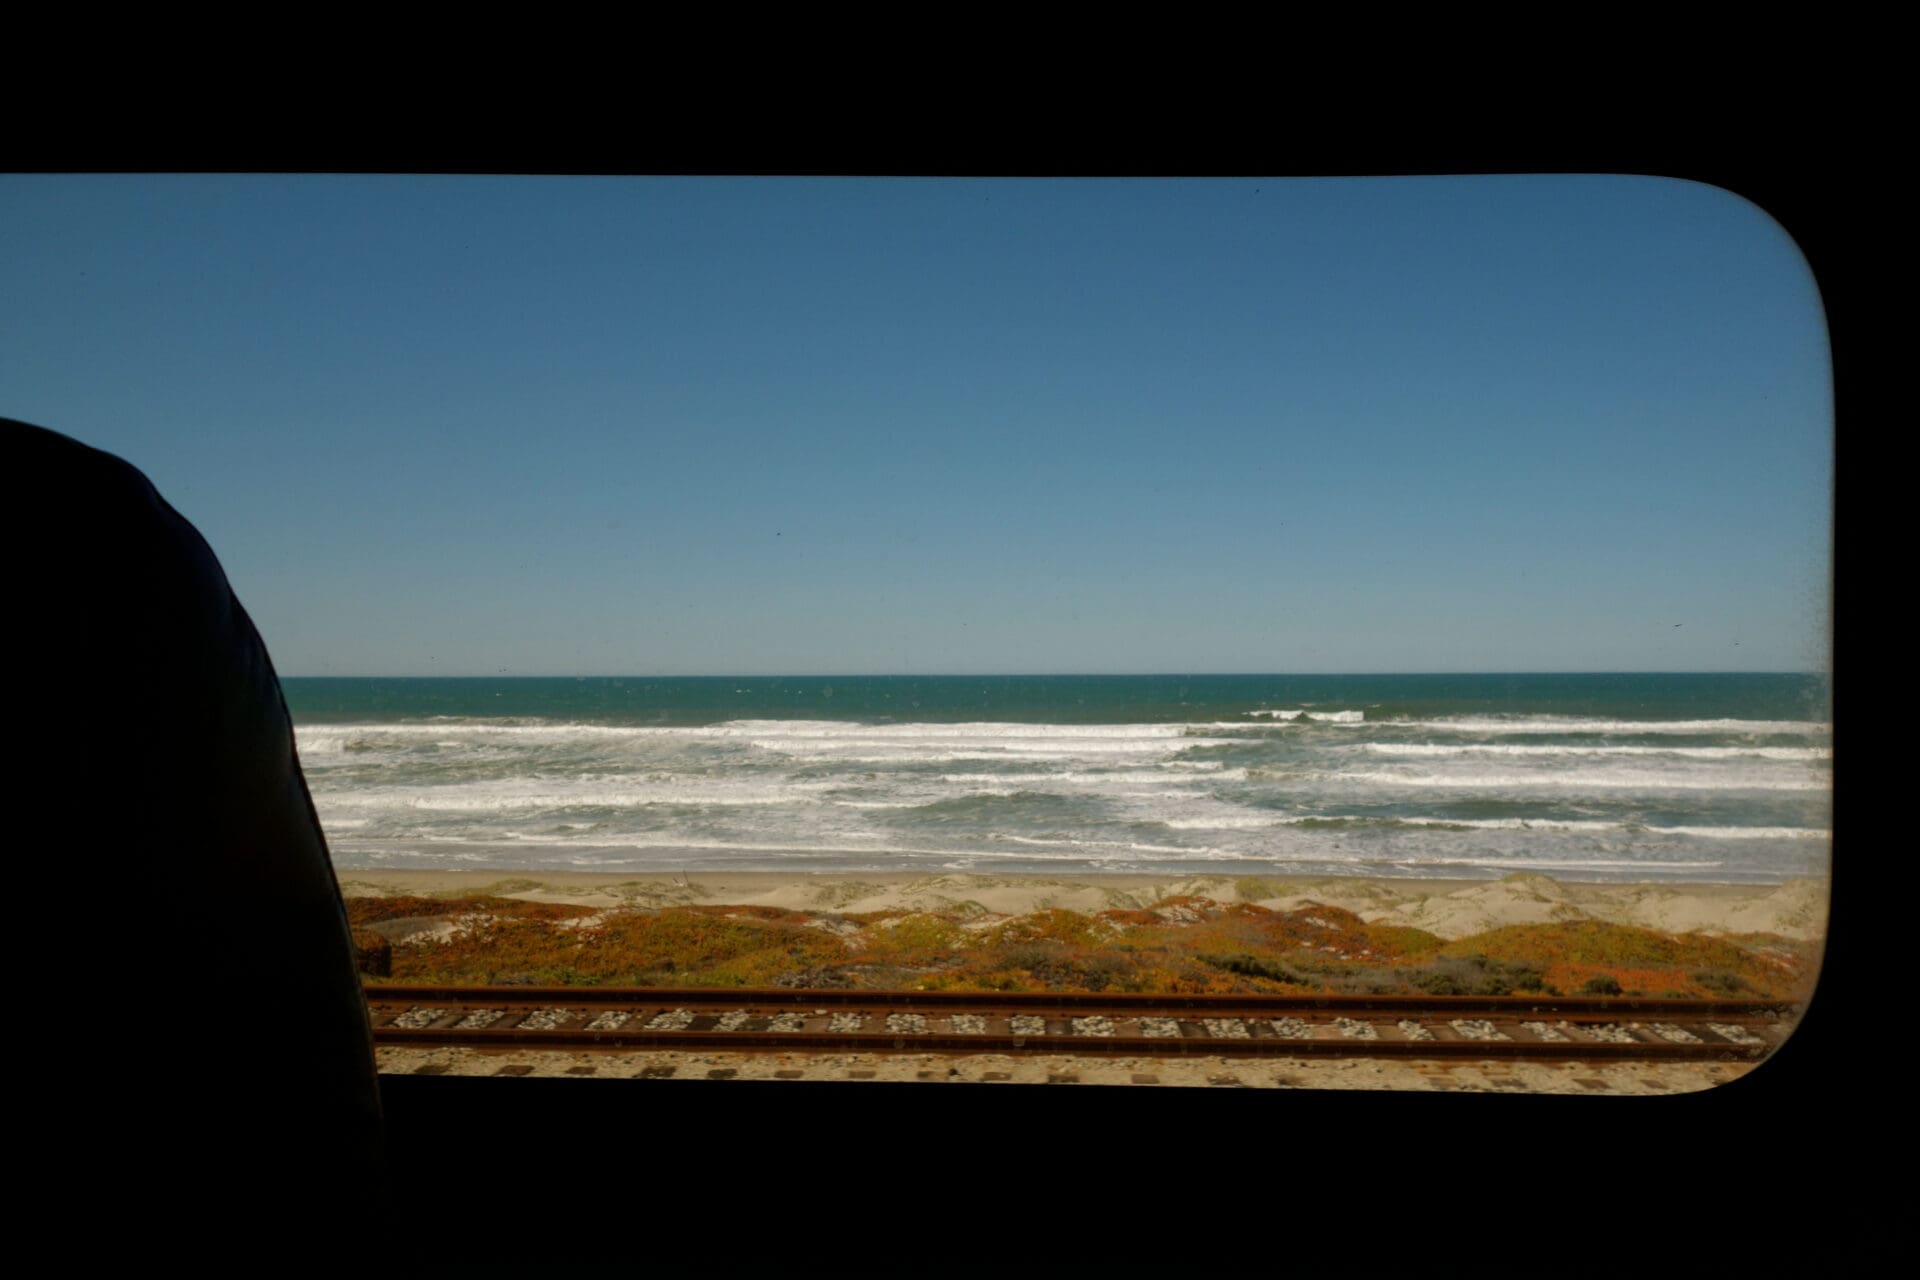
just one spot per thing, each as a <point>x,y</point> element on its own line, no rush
<point>1140,632</point>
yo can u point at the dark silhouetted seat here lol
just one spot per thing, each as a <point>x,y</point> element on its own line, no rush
<point>173,870</point>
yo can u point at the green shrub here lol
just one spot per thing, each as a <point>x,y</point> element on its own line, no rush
<point>1255,967</point>
<point>1527,978</point>
<point>1721,982</point>
<point>1436,983</point>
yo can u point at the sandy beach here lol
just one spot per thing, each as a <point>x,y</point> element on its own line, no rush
<point>1447,908</point>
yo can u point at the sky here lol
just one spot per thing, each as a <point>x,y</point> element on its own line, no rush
<point>545,426</point>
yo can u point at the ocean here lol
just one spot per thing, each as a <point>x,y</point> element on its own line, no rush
<point>1632,777</point>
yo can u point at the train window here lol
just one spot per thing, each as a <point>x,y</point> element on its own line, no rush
<point>1130,631</point>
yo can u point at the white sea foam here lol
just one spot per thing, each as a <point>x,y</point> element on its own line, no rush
<point>1041,781</point>
<point>864,750</point>
<point>516,793</point>
<point>1313,717</point>
<point>1004,731</point>
<point>645,840</point>
<point>841,793</point>
<point>1746,833</point>
<point>809,735</point>
<point>1572,724</point>
<point>1225,823</point>
<point>1131,845</point>
<point>1529,749</point>
<point>333,739</point>
<point>1559,864</point>
<point>1229,823</point>
<point>1539,824</point>
<point>722,846</point>
<point>1575,780</point>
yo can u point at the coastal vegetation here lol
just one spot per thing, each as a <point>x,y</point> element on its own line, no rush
<point>1180,945</point>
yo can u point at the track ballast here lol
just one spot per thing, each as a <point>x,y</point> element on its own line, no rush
<point>1566,1029</point>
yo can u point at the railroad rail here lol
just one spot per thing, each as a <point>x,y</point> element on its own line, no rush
<point>1577,1029</point>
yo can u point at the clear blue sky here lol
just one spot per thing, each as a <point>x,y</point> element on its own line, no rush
<point>562,426</point>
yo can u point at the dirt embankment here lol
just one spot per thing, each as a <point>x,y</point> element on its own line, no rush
<point>1523,933</point>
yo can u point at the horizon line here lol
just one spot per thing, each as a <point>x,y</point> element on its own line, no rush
<point>1007,675</point>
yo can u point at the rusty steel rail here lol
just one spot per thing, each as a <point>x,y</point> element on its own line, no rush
<point>1105,1025</point>
<point>1020,1001</point>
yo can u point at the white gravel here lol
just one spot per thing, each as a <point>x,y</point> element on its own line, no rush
<point>414,1019</point>
<point>1353,1030</point>
<point>847,1022</point>
<point>1094,1026</point>
<point>1611,1032</point>
<point>1739,1035</point>
<point>732,1020</point>
<point>672,1020</point>
<point>1414,1031</point>
<point>545,1019</point>
<point>1226,1028</point>
<point>1292,1029</point>
<point>907,1023</point>
<point>1478,1029</point>
<point>968,1024</point>
<point>611,1020</point>
<point>787,1022</point>
<point>1160,1028</point>
<point>1678,1035</point>
<point>480,1018</point>
<point>1541,1031</point>
<point>1028,1024</point>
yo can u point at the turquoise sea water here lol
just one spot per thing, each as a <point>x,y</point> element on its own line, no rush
<point>1586,777</point>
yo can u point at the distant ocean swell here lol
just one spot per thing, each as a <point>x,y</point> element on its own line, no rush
<point>1243,790</point>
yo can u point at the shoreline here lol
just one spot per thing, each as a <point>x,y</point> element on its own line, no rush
<point>1450,908</point>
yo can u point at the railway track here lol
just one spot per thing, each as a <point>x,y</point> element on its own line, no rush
<point>808,1021</point>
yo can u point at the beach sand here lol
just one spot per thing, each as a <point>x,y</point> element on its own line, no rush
<point>1448,908</point>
